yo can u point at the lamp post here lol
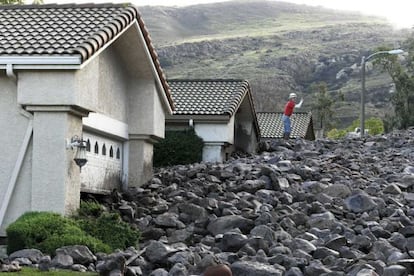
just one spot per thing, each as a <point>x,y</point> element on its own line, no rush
<point>363,62</point>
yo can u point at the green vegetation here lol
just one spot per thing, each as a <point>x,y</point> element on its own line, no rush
<point>107,227</point>
<point>279,48</point>
<point>47,231</point>
<point>374,125</point>
<point>98,230</point>
<point>402,75</point>
<point>178,147</point>
<point>322,106</point>
<point>27,271</point>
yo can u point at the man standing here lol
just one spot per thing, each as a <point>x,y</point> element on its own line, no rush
<point>290,105</point>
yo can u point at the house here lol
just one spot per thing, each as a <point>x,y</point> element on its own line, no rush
<point>75,77</point>
<point>271,125</point>
<point>221,112</point>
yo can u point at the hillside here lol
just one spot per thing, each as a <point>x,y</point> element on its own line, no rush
<point>278,47</point>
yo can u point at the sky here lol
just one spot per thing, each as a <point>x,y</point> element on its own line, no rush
<point>398,12</point>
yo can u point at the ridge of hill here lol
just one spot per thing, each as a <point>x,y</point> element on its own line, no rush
<point>279,48</point>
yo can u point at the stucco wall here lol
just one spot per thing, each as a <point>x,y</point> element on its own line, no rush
<point>14,125</point>
<point>245,131</point>
<point>100,86</point>
<point>146,112</point>
<point>216,132</point>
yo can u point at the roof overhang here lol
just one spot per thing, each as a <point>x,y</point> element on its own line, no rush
<point>41,62</point>
<point>197,118</point>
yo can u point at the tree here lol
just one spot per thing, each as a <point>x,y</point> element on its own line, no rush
<point>19,2</point>
<point>11,2</point>
<point>322,106</point>
<point>403,97</point>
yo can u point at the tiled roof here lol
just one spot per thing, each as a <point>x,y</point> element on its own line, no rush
<point>271,125</point>
<point>67,30</point>
<point>61,29</point>
<point>208,97</point>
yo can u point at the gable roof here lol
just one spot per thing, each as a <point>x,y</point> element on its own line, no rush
<point>271,125</point>
<point>208,97</point>
<point>71,30</point>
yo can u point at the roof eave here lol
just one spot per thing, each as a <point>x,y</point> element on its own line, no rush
<point>218,118</point>
<point>38,62</point>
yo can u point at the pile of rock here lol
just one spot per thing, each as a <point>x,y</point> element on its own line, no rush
<point>299,208</point>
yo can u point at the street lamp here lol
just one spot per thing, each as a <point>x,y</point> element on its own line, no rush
<point>363,61</point>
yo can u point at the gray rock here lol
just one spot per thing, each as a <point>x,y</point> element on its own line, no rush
<point>395,270</point>
<point>44,263</point>
<point>62,261</point>
<point>227,223</point>
<point>359,203</point>
<point>233,241</point>
<point>79,253</point>
<point>169,220</point>
<point>34,255</point>
<point>157,252</point>
<point>248,268</point>
<point>178,270</point>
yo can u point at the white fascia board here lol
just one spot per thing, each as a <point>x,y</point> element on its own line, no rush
<point>106,125</point>
<point>198,118</point>
<point>40,60</point>
<point>107,44</point>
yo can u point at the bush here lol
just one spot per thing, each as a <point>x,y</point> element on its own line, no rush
<point>90,209</point>
<point>48,231</point>
<point>178,148</point>
<point>374,125</point>
<point>110,229</point>
<point>336,133</point>
<point>106,226</point>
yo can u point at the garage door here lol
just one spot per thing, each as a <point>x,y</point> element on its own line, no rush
<point>103,171</point>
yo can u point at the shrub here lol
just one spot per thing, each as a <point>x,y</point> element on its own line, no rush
<point>48,231</point>
<point>336,133</point>
<point>89,208</point>
<point>106,226</point>
<point>178,148</point>
<point>109,228</point>
<point>374,125</point>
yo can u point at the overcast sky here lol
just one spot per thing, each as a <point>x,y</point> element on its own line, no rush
<point>398,12</point>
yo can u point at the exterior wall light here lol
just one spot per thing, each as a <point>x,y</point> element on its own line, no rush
<point>80,145</point>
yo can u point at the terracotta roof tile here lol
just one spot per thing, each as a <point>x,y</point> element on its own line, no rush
<point>271,125</point>
<point>61,29</point>
<point>208,97</point>
<point>67,30</point>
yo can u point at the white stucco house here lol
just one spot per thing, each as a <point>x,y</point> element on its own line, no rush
<point>221,112</point>
<point>71,71</point>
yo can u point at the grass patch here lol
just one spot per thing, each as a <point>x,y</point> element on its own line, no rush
<point>35,272</point>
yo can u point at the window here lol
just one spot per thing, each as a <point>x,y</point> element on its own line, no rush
<point>118,154</point>
<point>88,145</point>
<point>111,152</point>
<point>96,148</point>
<point>103,149</point>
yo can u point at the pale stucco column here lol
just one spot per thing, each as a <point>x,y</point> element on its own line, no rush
<point>140,160</point>
<point>55,176</point>
<point>213,152</point>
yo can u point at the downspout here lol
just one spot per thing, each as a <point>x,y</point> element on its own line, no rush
<point>22,152</point>
<point>10,72</point>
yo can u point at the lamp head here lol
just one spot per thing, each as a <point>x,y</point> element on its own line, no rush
<point>80,156</point>
<point>396,52</point>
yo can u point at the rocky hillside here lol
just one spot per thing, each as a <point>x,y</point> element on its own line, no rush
<point>299,208</point>
<point>279,47</point>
